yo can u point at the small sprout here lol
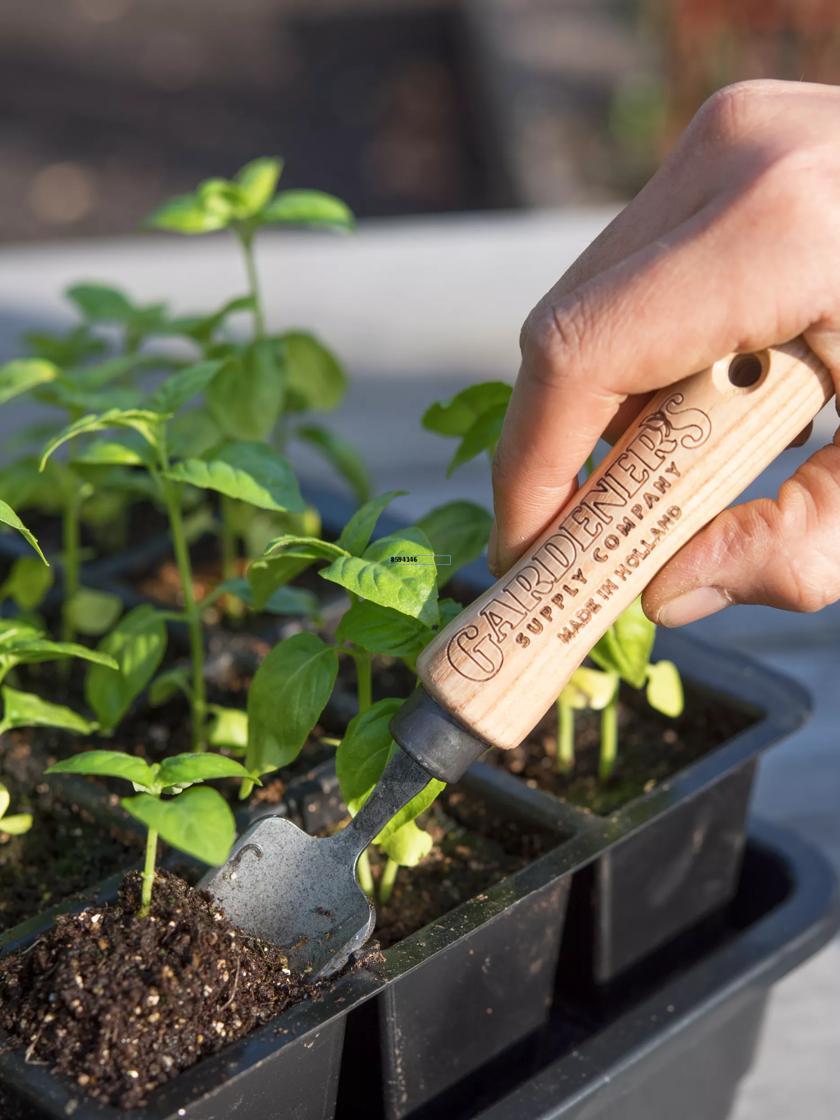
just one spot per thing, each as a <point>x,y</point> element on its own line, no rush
<point>12,824</point>
<point>172,801</point>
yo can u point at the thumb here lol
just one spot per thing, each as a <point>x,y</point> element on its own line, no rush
<point>780,552</point>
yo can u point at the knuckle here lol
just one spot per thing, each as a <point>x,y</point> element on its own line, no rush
<point>553,338</point>
<point>730,113</point>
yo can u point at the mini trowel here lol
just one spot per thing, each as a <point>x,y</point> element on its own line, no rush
<point>491,674</point>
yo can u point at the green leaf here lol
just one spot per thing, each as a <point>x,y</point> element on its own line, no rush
<point>228,728</point>
<point>102,374</point>
<point>198,822</point>
<point>187,769</point>
<point>245,398</point>
<point>408,845</point>
<point>356,534</point>
<point>22,709</point>
<point>482,435</point>
<point>15,630</point>
<point>417,805</point>
<point>456,416</point>
<point>99,303</point>
<point>340,454</point>
<point>92,612</point>
<point>168,684</point>
<point>202,328</point>
<point>257,182</point>
<point>22,375</point>
<point>361,758</point>
<point>10,518</point>
<point>626,647</point>
<point>187,214</point>
<point>381,630</point>
<point>266,576</point>
<point>364,751</point>
<point>305,548</point>
<point>137,643</point>
<point>589,688</point>
<point>128,450</point>
<point>65,350</point>
<point>27,583</point>
<point>182,386</point>
<point>62,394</point>
<point>191,433</point>
<point>664,689</point>
<point>315,379</point>
<point>396,571</point>
<point>145,423</point>
<point>289,691</point>
<point>16,824</point>
<point>32,651</point>
<point>248,471</point>
<point>458,530</point>
<point>108,764</point>
<point>308,208</point>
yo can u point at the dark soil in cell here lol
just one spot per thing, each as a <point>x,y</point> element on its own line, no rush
<point>475,847</point>
<point>120,1004</point>
<point>64,851</point>
<point>651,749</point>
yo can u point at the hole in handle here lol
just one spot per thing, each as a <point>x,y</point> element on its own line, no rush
<point>745,371</point>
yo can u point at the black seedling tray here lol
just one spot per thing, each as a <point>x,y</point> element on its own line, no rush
<point>681,1034</point>
<point>674,1042</point>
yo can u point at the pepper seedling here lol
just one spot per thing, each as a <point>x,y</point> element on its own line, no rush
<point>395,609</point>
<point>272,377</point>
<point>12,824</point>
<point>172,802</point>
<point>475,417</point>
<point>248,471</point>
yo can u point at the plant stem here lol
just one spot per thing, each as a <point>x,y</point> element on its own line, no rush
<point>227,539</point>
<point>148,876</point>
<point>389,877</point>
<point>364,678</point>
<point>363,874</point>
<point>609,738</point>
<point>565,736</point>
<point>71,549</point>
<point>246,240</point>
<point>191,610</point>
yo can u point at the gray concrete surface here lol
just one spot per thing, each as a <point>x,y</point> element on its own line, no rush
<point>418,309</point>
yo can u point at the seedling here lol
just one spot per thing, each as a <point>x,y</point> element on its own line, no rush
<point>395,609</point>
<point>247,471</point>
<point>475,417</point>
<point>285,373</point>
<point>24,642</point>
<point>12,824</point>
<point>172,802</point>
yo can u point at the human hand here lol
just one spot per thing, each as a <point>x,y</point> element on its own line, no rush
<point>734,244</point>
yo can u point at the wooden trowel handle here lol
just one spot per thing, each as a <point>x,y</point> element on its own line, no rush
<point>698,444</point>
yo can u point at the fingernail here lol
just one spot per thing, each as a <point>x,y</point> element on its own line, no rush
<point>693,605</point>
<point>492,550</point>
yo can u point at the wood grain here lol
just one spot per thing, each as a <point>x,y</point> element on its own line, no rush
<point>501,663</point>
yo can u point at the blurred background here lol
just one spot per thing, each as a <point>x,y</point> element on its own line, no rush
<point>416,106</point>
